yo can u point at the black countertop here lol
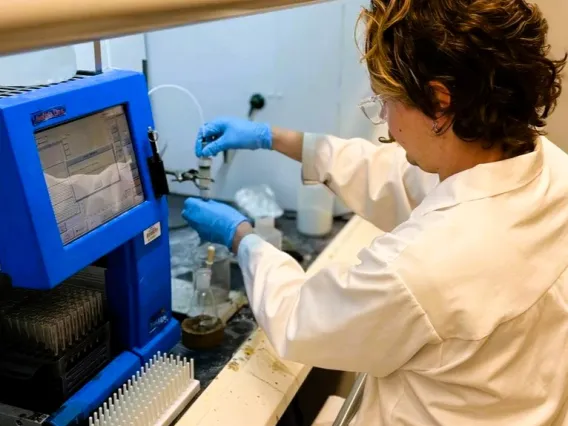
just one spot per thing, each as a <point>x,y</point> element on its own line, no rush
<point>184,241</point>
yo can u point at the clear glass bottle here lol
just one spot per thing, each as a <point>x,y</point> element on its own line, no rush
<point>203,311</point>
<point>203,328</point>
<point>220,269</point>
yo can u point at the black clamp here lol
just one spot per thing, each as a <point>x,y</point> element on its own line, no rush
<point>156,167</point>
<point>191,175</point>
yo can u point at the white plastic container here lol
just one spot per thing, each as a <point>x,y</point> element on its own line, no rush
<point>315,210</point>
<point>38,68</point>
<point>264,228</point>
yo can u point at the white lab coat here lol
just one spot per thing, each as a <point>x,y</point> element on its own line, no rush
<point>459,313</point>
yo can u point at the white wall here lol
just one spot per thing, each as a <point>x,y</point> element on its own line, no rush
<point>303,60</point>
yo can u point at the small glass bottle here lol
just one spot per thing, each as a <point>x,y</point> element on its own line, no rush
<point>204,312</point>
<point>220,269</point>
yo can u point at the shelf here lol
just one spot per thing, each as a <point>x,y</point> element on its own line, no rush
<point>36,24</point>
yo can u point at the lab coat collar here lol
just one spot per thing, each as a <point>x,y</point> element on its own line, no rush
<point>484,181</point>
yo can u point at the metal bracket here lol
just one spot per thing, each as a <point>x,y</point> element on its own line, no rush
<point>98,56</point>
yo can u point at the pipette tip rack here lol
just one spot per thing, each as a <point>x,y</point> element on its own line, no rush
<point>155,396</point>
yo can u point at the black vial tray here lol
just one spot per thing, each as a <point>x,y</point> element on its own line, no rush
<point>43,383</point>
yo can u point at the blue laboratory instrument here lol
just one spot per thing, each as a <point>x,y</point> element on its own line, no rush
<point>83,241</point>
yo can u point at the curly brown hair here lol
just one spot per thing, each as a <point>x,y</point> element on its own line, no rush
<point>491,55</point>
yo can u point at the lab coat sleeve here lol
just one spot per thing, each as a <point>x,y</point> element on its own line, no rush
<point>360,318</point>
<point>375,182</point>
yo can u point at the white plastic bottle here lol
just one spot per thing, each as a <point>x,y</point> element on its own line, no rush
<point>315,210</point>
<point>38,68</point>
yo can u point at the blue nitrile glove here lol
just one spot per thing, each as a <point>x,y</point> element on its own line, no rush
<point>214,222</point>
<point>231,133</point>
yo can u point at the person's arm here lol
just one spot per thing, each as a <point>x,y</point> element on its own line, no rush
<point>360,318</point>
<point>288,142</point>
<point>376,182</point>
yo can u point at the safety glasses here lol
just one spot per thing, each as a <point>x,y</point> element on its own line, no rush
<point>374,109</point>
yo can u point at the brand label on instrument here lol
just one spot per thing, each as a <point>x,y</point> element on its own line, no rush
<point>49,114</point>
<point>152,233</point>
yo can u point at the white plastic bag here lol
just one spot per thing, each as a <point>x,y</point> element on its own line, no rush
<point>258,202</point>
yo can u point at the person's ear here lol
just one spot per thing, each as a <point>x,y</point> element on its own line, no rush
<point>443,97</point>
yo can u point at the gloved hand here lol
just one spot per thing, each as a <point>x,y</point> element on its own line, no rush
<point>214,222</point>
<point>231,133</point>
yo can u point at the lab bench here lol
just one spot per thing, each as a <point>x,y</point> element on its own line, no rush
<point>256,387</point>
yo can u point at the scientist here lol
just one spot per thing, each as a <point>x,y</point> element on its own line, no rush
<point>459,312</point>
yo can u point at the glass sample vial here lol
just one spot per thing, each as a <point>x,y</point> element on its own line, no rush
<point>205,177</point>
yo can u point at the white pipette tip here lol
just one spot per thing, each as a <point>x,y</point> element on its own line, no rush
<point>154,396</point>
